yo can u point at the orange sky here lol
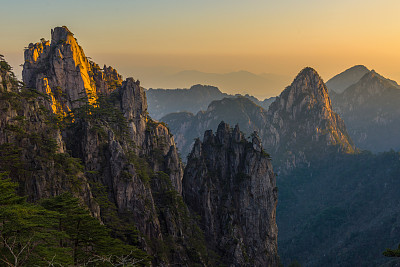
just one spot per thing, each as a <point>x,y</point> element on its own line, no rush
<point>259,36</point>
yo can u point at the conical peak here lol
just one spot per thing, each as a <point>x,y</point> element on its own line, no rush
<point>309,74</point>
<point>308,71</point>
<point>307,83</point>
<point>358,67</point>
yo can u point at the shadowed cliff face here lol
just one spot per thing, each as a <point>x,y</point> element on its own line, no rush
<point>32,149</point>
<point>371,111</point>
<point>229,182</point>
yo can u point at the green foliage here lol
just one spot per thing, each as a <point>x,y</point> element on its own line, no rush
<point>121,224</point>
<point>172,211</point>
<point>26,230</point>
<point>392,252</point>
<point>98,114</point>
<point>294,263</point>
<point>324,205</point>
<point>59,231</point>
<point>85,236</point>
<point>142,167</point>
<point>10,159</point>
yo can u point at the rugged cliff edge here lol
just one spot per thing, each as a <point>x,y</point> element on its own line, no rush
<point>229,182</point>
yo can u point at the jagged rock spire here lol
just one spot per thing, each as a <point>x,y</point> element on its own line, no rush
<point>229,182</point>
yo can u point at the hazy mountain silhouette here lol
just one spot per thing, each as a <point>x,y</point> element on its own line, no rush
<point>243,82</point>
<point>198,97</point>
<point>371,111</point>
<point>348,77</point>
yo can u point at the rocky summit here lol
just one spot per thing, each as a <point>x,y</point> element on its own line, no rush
<point>302,124</point>
<point>60,69</point>
<point>229,182</point>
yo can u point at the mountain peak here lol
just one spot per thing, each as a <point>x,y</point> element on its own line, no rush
<point>306,92</point>
<point>60,34</point>
<point>63,72</point>
<point>345,79</point>
<point>302,120</point>
<point>307,71</point>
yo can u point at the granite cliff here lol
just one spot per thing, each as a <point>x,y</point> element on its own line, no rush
<point>229,182</point>
<point>302,125</point>
<point>60,69</point>
<point>124,166</point>
<point>239,110</point>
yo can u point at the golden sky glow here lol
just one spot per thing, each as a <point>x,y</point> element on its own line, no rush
<point>260,36</point>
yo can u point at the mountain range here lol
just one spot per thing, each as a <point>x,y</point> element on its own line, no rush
<point>262,85</point>
<point>326,184</point>
<point>198,97</point>
<point>296,123</point>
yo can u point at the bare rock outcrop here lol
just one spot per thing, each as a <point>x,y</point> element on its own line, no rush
<point>61,70</point>
<point>229,182</point>
<point>301,119</point>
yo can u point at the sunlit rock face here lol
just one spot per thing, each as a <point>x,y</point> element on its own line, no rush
<point>118,160</point>
<point>61,70</point>
<point>302,124</point>
<point>229,182</point>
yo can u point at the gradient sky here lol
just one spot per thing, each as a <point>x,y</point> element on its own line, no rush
<point>260,36</point>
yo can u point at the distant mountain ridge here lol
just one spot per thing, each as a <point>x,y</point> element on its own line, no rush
<point>341,81</point>
<point>237,110</point>
<point>371,111</point>
<point>244,82</point>
<point>198,97</point>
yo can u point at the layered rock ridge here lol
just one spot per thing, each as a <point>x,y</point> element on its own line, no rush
<point>230,183</point>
